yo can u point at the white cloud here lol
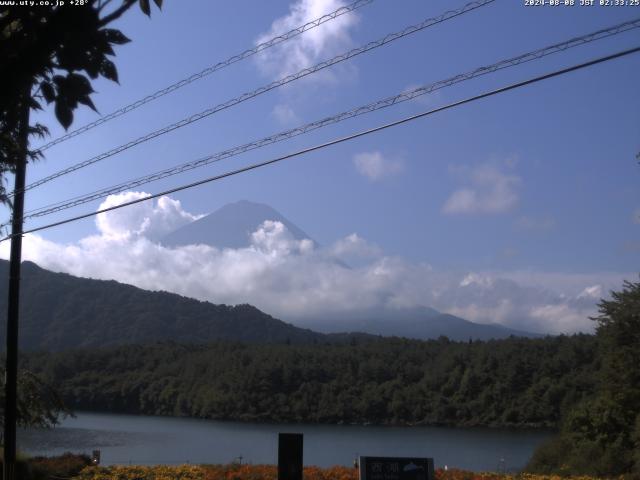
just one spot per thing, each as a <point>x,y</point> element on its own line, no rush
<point>488,190</point>
<point>354,248</point>
<point>292,278</point>
<point>476,279</point>
<point>320,43</point>
<point>273,238</point>
<point>284,114</point>
<point>594,291</point>
<point>148,219</point>
<point>567,284</point>
<point>565,318</point>
<point>636,216</point>
<point>375,166</point>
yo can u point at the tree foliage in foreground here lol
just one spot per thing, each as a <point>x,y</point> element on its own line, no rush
<point>513,382</point>
<point>39,404</point>
<point>601,435</point>
<point>50,54</point>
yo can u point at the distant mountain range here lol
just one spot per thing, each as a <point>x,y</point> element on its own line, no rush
<point>419,322</point>
<point>60,311</point>
<point>231,227</point>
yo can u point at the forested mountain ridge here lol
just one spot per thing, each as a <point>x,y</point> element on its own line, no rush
<point>60,311</point>
<point>502,383</point>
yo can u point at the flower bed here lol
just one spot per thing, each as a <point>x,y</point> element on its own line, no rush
<point>159,472</point>
<point>270,472</point>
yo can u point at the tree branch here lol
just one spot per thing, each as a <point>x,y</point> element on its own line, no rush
<point>126,5</point>
<point>103,4</point>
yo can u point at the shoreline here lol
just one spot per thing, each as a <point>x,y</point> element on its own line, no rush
<point>261,421</point>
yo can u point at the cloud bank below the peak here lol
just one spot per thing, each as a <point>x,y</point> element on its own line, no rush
<point>294,279</point>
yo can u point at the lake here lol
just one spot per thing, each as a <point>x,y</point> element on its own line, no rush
<point>148,440</point>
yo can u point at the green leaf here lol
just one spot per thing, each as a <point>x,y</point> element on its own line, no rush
<point>35,105</point>
<point>59,80</point>
<point>92,65</point>
<point>78,84</point>
<point>39,130</point>
<point>64,114</point>
<point>72,56</point>
<point>108,70</point>
<point>144,6</point>
<point>86,100</point>
<point>48,91</point>
<point>114,36</point>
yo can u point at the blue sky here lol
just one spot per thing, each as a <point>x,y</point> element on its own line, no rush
<point>542,180</point>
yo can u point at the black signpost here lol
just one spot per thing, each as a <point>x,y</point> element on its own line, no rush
<point>290,456</point>
<point>396,468</point>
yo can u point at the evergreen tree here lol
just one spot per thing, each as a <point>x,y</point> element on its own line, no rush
<point>601,435</point>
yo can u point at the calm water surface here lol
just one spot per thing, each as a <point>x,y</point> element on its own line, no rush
<point>146,440</point>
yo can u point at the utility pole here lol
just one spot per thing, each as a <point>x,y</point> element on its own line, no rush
<point>11,372</point>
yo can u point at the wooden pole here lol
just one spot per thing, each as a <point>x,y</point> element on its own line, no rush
<point>11,372</point>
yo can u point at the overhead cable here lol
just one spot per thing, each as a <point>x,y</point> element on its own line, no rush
<point>361,110</point>
<point>254,166</point>
<point>278,83</point>
<point>209,70</point>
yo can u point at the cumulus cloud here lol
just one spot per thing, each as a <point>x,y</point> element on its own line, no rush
<point>354,250</point>
<point>151,220</point>
<point>488,189</point>
<point>273,238</point>
<point>354,245</point>
<point>375,166</point>
<point>294,279</point>
<point>533,306</point>
<point>305,50</point>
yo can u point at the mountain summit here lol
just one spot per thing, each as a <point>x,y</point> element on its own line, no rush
<point>230,226</point>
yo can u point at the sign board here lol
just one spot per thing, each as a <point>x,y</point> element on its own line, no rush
<point>290,456</point>
<point>396,468</point>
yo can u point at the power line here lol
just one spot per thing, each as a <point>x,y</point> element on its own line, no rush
<point>211,69</point>
<point>254,166</point>
<point>278,83</point>
<point>361,110</point>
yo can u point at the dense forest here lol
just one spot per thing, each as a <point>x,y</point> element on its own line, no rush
<point>600,435</point>
<point>513,382</point>
<point>261,369</point>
